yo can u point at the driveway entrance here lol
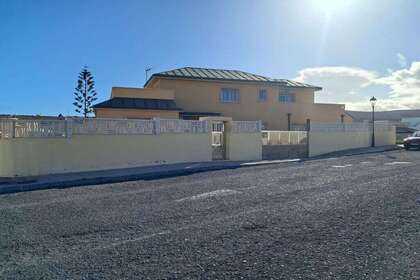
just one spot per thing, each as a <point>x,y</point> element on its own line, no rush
<point>284,144</point>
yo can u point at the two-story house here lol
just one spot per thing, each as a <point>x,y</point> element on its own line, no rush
<point>191,93</point>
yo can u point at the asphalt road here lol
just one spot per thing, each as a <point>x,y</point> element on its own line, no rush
<point>346,218</point>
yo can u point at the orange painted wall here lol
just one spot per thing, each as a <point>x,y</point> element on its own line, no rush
<point>203,96</point>
<point>135,114</point>
<point>147,93</point>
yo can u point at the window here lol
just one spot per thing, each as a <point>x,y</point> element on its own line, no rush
<point>286,98</point>
<point>262,95</point>
<point>229,95</point>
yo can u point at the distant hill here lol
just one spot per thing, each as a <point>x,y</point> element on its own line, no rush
<point>395,116</point>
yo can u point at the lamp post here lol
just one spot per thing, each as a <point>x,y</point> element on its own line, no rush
<point>373,103</point>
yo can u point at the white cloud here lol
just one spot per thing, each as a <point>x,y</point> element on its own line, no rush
<point>397,89</point>
<point>339,71</point>
<point>402,61</point>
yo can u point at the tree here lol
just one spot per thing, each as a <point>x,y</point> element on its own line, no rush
<point>85,93</point>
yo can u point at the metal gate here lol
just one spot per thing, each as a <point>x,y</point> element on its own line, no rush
<point>218,141</point>
<point>284,144</point>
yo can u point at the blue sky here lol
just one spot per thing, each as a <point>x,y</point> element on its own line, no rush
<point>353,48</point>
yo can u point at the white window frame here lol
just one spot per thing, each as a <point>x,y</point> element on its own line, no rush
<point>259,95</point>
<point>286,97</point>
<point>229,95</point>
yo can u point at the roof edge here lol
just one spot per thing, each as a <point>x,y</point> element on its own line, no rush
<point>101,104</point>
<point>157,75</point>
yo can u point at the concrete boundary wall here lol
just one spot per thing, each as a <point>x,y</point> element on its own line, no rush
<point>275,152</point>
<point>323,142</point>
<point>244,146</point>
<point>43,148</point>
<point>41,156</point>
<point>243,140</point>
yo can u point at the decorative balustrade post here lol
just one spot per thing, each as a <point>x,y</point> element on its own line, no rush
<point>13,129</point>
<point>156,126</point>
<point>207,126</point>
<point>68,126</point>
<point>259,126</point>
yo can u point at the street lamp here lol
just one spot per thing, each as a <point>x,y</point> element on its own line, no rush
<point>373,103</point>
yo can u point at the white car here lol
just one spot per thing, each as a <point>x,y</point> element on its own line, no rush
<point>412,141</point>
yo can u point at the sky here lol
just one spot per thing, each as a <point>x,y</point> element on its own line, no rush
<point>352,48</point>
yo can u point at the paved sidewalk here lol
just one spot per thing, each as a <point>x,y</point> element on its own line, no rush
<point>13,185</point>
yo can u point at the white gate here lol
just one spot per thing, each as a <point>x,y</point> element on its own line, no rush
<point>218,141</point>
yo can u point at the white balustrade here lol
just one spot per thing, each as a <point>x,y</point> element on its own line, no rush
<point>6,129</point>
<point>37,128</point>
<point>12,128</point>
<point>275,137</point>
<point>339,127</point>
<point>246,126</point>
<point>350,127</point>
<point>181,126</point>
<point>111,126</point>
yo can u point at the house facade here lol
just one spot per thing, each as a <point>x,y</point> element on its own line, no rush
<point>191,93</point>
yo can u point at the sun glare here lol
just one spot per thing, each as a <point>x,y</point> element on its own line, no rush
<point>330,6</point>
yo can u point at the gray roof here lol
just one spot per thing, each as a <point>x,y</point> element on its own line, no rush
<point>225,75</point>
<point>139,103</point>
<point>30,117</point>
<point>396,115</point>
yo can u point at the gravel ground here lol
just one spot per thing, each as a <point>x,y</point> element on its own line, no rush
<point>346,218</point>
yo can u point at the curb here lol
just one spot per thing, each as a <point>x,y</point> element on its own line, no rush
<point>108,180</point>
<point>335,154</point>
